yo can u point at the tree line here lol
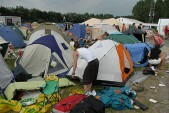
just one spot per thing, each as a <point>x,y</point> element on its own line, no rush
<point>36,15</point>
<point>141,12</point>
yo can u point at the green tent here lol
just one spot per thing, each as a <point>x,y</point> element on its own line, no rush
<point>124,39</point>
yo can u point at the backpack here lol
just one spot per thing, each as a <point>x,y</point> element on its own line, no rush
<point>66,104</point>
<point>148,71</point>
<point>89,105</point>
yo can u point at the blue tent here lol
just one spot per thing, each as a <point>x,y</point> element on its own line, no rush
<point>78,30</point>
<point>138,53</point>
<point>11,36</point>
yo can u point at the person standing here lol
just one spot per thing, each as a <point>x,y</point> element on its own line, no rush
<point>166,32</point>
<point>123,28</point>
<point>88,32</point>
<point>91,70</point>
<point>72,43</point>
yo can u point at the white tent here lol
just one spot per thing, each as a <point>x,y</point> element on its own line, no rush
<point>92,21</point>
<point>161,24</point>
<point>99,29</point>
<point>115,63</point>
<point>45,29</point>
<point>47,52</point>
<point>128,21</point>
<point>112,21</point>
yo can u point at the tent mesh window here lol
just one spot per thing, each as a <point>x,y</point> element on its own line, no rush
<point>48,31</point>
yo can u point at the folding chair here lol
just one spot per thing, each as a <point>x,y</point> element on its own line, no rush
<point>51,90</point>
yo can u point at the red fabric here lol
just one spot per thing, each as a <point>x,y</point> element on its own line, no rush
<point>69,102</point>
<point>166,30</point>
<point>158,40</point>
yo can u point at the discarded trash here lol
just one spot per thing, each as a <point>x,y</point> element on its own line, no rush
<point>153,101</point>
<point>152,67</point>
<point>152,87</point>
<point>167,71</point>
<point>136,107</point>
<point>162,85</point>
<point>167,57</point>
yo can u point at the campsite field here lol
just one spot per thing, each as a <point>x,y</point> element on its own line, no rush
<point>161,94</point>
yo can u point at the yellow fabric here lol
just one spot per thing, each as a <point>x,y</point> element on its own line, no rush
<point>51,77</point>
<point>7,105</point>
<point>65,82</point>
<point>78,91</point>
<point>42,105</point>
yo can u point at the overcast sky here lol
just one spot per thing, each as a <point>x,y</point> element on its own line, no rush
<point>115,7</point>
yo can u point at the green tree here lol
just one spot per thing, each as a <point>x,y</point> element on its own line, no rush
<point>141,10</point>
<point>165,10</point>
<point>158,10</point>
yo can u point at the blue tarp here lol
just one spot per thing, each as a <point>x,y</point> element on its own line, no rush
<point>11,36</point>
<point>78,30</point>
<point>138,53</point>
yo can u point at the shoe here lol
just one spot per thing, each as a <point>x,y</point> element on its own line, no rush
<point>88,93</point>
<point>94,93</point>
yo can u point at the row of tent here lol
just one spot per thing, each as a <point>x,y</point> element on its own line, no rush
<point>129,36</point>
<point>15,35</point>
<point>47,52</point>
<point>12,35</point>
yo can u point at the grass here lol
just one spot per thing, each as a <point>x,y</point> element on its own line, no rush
<point>10,63</point>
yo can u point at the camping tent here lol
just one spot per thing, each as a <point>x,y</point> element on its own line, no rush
<point>122,38</point>
<point>50,54</point>
<point>99,29</point>
<point>78,30</point>
<point>161,24</point>
<point>138,33</point>
<point>5,74</point>
<point>11,36</point>
<point>45,29</point>
<point>138,53</point>
<point>25,31</point>
<point>92,21</point>
<point>128,21</point>
<point>18,31</point>
<point>34,25</point>
<point>112,21</point>
<point>115,63</point>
